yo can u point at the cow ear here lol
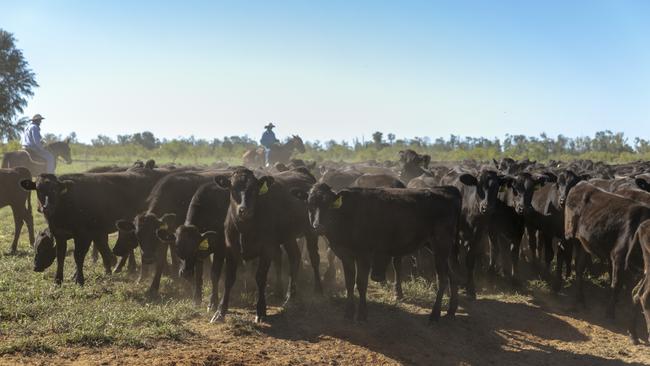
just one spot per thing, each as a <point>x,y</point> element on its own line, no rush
<point>28,185</point>
<point>66,186</point>
<point>265,183</point>
<point>124,225</point>
<point>168,220</point>
<point>165,235</point>
<point>338,201</point>
<point>496,163</point>
<point>222,181</point>
<point>468,179</point>
<point>150,164</point>
<point>426,159</point>
<point>299,194</point>
<point>642,183</point>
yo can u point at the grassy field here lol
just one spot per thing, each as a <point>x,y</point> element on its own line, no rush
<point>109,321</point>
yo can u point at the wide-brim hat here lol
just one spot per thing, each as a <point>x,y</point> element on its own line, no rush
<point>37,117</point>
<point>270,125</point>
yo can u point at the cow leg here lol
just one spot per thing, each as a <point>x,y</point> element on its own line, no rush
<point>293,253</point>
<point>100,243</point>
<point>260,279</point>
<point>397,267</point>
<point>161,260</point>
<point>314,258</point>
<point>645,303</point>
<point>494,243</point>
<point>176,261</point>
<point>81,246</point>
<point>618,269</point>
<point>548,253</point>
<point>215,274</point>
<point>470,262</point>
<point>349,273</point>
<point>18,225</point>
<point>636,308</point>
<point>198,282</point>
<point>581,263</point>
<point>453,289</point>
<point>442,268</point>
<point>277,265</point>
<point>29,221</point>
<point>131,265</point>
<point>514,261</point>
<point>231,274</point>
<point>61,248</point>
<point>330,274</point>
<point>363,272</point>
<point>532,244</point>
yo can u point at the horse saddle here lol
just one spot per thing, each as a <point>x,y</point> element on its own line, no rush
<point>34,156</point>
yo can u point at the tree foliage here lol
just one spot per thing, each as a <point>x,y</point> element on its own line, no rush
<point>16,83</point>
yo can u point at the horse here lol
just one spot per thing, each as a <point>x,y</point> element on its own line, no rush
<point>280,153</point>
<point>59,149</point>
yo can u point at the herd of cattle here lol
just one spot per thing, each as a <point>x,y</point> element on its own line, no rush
<point>370,214</point>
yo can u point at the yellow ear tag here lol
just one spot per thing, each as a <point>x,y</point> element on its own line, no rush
<point>338,203</point>
<point>264,189</point>
<point>204,245</point>
<point>64,191</point>
<point>538,187</point>
<point>502,189</point>
<point>164,227</point>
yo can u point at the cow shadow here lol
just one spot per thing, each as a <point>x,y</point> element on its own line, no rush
<point>490,331</point>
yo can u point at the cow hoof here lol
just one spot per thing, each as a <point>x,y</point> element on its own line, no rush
<point>218,317</point>
<point>634,340</point>
<point>259,319</point>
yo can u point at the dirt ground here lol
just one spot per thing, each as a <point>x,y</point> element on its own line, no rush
<point>497,329</point>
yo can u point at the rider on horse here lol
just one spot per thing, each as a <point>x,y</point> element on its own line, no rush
<point>32,143</point>
<point>268,140</point>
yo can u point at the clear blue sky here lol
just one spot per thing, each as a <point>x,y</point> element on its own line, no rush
<point>337,69</point>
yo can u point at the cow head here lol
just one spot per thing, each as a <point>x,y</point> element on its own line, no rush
<point>487,184</point>
<point>45,251</point>
<point>245,189</point>
<point>524,186</point>
<point>321,200</point>
<point>126,238</point>
<point>49,191</point>
<point>413,164</point>
<point>567,180</point>
<point>190,246</point>
<point>148,229</point>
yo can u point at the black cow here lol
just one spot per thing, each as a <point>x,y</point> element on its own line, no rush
<point>365,227</point>
<point>262,216</point>
<point>376,181</point>
<point>167,200</point>
<point>605,225</point>
<point>641,292</point>
<point>19,201</point>
<point>339,179</point>
<point>84,207</point>
<point>413,164</point>
<point>480,197</point>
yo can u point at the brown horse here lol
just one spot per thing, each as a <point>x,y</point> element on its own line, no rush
<point>280,153</point>
<point>60,149</point>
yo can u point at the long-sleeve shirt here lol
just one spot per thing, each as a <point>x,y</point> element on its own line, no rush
<point>268,139</point>
<point>32,137</point>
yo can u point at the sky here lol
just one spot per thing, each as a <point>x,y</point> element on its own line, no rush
<point>336,69</point>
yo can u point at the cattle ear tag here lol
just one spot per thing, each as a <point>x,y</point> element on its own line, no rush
<point>164,226</point>
<point>537,187</point>
<point>64,191</point>
<point>264,189</point>
<point>338,203</point>
<point>204,245</point>
<point>502,189</point>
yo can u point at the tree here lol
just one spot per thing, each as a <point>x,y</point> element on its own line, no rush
<point>378,139</point>
<point>391,138</point>
<point>16,83</point>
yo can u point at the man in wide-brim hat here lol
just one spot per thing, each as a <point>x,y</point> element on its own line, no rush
<point>268,139</point>
<point>32,142</point>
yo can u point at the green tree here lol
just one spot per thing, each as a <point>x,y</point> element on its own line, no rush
<point>16,83</point>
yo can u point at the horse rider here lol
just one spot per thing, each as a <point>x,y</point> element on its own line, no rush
<point>268,139</point>
<point>33,144</point>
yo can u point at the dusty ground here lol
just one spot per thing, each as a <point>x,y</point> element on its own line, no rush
<point>496,329</point>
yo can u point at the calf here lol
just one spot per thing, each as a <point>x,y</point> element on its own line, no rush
<point>262,216</point>
<point>19,201</point>
<point>167,200</point>
<point>365,227</point>
<point>412,164</point>
<point>480,196</point>
<point>605,225</point>
<point>641,292</point>
<point>84,207</point>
